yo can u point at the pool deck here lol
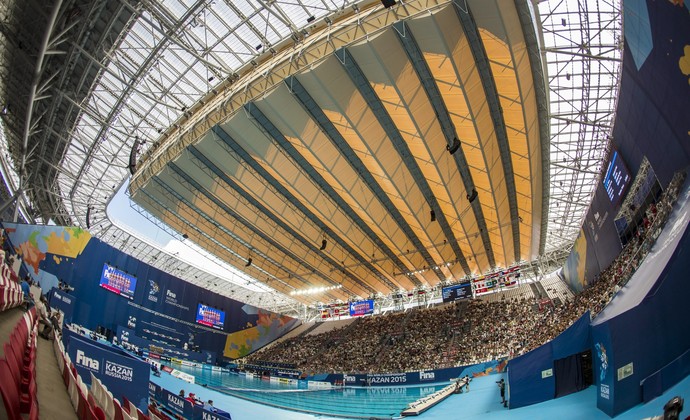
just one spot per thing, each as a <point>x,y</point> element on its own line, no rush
<point>482,402</point>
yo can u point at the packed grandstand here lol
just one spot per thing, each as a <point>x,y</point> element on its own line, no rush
<point>465,332</point>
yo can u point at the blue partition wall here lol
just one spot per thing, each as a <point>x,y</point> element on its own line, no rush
<point>531,376</point>
<point>120,372</point>
<point>649,342</point>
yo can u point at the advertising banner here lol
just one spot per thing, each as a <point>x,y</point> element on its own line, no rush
<point>122,375</point>
<point>176,404</point>
<point>64,302</point>
<point>603,368</point>
<point>154,391</point>
<point>126,335</point>
<point>201,414</point>
<point>412,378</point>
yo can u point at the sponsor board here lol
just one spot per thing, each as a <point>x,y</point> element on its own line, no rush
<point>318,384</point>
<point>425,376</point>
<point>181,375</point>
<point>394,378</point>
<point>413,378</point>
<point>87,362</point>
<point>119,371</point>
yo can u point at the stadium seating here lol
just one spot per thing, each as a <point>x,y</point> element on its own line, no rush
<point>10,291</point>
<point>18,367</point>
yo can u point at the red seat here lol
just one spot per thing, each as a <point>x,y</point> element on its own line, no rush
<point>83,407</point>
<point>125,406</point>
<point>10,392</point>
<point>33,412</point>
<point>118,410</point>
<point>97,413</point>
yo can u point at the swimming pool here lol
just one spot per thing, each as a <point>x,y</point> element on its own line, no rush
<point>352,402</point>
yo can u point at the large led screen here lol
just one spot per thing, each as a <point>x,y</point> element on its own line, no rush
<point>616,179</point>
<point>118,281</point>
<point>360,308</point>
<point>210,317</point>
<point>456,292</point>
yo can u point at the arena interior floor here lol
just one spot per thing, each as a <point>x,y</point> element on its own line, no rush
<point>482,402</point>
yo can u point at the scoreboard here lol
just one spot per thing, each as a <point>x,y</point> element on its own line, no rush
<point>616,179</point>
<point>210,317</point>
<point>360,308</point>
<point>118,281</point>
<point>457,292</point>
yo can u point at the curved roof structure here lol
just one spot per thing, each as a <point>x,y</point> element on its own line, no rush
<point>344,146</point>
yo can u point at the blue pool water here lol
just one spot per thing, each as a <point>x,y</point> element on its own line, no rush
<point>353,402</point>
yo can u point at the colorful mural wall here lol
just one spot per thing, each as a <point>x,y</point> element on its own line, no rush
<point>163,307</point>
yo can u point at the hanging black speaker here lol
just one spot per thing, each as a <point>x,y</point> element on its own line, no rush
<point>453,147</point>
<point>249,262</point>
<point>433,216</point>
<point>133,156</point>
<point>323,245</point>
<point>388,3</point>
<point>88,217</point>
<point>472,196</point>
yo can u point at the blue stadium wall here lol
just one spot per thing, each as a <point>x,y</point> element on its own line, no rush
<point>164,307</point>
<point>648,346</point>
<point>652,120</point>
<point>642,352</point>
<point>532,376</point>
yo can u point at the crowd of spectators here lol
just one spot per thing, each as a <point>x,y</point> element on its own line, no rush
<point>465,332</point>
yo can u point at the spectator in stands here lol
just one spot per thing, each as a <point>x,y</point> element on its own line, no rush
<point>28,299</point>
<point>154,370</point>
<point>56,321</point>
<point>464,333</point>
<point>208,405</point>
<point>181,393</point>
<point>192,398</point>
<point>44,319</point>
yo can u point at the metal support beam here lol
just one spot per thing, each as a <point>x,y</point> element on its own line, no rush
<point>241,155</point>
<point>275,218</point>
<point>483,66</point>
<point>540,92</point>
<point>38,72</point>
<point>428,82</point>
<point>317,114</point>
<point>267,126</point>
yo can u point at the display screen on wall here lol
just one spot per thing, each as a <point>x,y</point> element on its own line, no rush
<point>616,179</point>
<point>456,292</point>
<point>210,317</point>
<point>118,281</point>
<point>360,308</point>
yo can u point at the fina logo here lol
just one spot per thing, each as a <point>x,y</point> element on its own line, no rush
<point>348,378</point>
<point>426,376</point>
<point>87,362</point>
<point>63,298</point>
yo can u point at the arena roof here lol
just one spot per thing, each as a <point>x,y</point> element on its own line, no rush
<point>263,128</point>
